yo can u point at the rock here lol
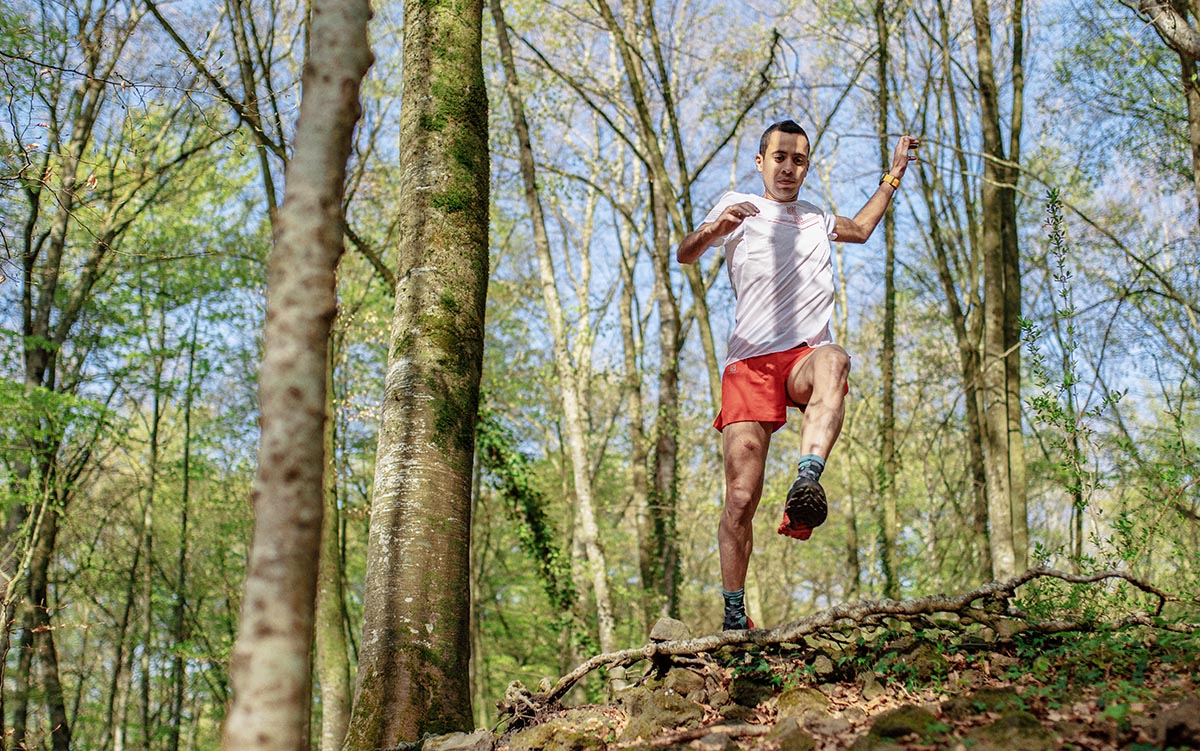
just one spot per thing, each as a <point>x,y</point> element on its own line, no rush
<point>749,692</point>
<point>871,687</point>
<point>575,730</point>
<point>854,714</point>
<point>1001,663</point>
<point>683,681</point>
<point>802,701</point>
<point>1007,628</point>
<point>871,743</point>
<point>902,721</point>
<point>716,742</point>
<point>650,712</point>
<point>924,661</point>
<point>983,700</point>
<point>1015,731</point>
<point>787,736</point>
<point>737,713</point>
<point>480,740</point>
<point>669,629</point>
<point>1179,726</point>
<point>822,666</point>
<point>971,677</point>
<point>830,726</point>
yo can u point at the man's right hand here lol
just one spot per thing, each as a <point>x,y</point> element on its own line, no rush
<point>732,217</point>
<point>694,245</point>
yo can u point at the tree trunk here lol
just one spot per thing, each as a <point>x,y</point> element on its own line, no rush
<point>413,674</point>
<point>887,427</point>
<point>1001,330</point>
<point>333,660</point>
<point>179,626</point>
<point>662,202</point>
<point>43,641</point>
<point>147,640</point>
<point>1191,92</point>
<point>955,251</point>
<point>270,667</point>
<point>572,375</point>
<point>22,682</point>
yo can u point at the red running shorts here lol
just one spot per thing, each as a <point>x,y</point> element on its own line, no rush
<point>755,389</point>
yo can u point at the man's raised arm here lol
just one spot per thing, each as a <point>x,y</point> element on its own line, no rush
<point>859,229</point>
<point>707,234</point>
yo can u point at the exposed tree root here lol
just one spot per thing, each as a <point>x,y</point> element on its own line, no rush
<point>988,604</point>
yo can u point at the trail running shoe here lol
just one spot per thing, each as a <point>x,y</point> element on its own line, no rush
<point>805,509</point>
<point>732,624</point>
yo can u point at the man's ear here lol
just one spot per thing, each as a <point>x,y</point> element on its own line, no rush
<point>758,161</point>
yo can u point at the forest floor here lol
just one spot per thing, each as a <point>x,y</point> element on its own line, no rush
<point>899,685</point>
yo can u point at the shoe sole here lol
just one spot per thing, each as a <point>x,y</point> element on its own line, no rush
<point>804,511</point>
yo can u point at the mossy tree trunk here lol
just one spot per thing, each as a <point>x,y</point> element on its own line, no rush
<point>888,527</point>
<point>271,666</point>
<point>1001,380</point>
<point>413,675</point>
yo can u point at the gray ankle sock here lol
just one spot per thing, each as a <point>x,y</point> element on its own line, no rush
<point>810,466</point>
<point>735,607</point>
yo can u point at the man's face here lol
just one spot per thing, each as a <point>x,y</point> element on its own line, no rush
<point>784,166</point>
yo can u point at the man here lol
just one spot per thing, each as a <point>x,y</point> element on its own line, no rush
<point>780,352</point>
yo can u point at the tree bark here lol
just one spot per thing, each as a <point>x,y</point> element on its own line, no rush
<point>1191,93</point>
<point>413,674</point>
<point>270,667</point>
<point>43,640</point>
<point>333,660</point>
<point>1171,22</point>
<point>1001,281</point>
<point>887,428</point>
<point>179,625</point>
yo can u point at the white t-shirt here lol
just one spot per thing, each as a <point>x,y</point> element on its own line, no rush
<point>779,265</point>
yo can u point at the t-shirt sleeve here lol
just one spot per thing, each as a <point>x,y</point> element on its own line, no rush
<point>831,225</point>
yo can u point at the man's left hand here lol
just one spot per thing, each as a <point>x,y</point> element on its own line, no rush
<point>902,156</point>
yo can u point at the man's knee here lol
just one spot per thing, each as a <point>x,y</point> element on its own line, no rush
<point>832,370</point>
<point>738,515</point>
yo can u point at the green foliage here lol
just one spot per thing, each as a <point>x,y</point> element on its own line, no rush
<point>1120,662</point>
<point>1056,402</point>
<point>510,472</point>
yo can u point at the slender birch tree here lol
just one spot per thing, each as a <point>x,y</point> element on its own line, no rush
<point>270,667</point>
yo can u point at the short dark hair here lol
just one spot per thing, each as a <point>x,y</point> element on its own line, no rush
<point>785,126</point>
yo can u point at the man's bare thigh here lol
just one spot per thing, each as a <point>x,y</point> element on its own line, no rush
<point>802,380</point>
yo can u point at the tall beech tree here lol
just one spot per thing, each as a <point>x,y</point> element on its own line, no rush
<point>1008,530</point>
<point>270,668</point>
<point>413,673</point>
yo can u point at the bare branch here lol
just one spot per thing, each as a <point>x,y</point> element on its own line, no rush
<point>866,611</point>
<point>1171,26</point>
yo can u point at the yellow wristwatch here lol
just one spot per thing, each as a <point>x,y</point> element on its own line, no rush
<point>890,179</point>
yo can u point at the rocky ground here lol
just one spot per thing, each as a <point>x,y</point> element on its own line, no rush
<point>891,686</point>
